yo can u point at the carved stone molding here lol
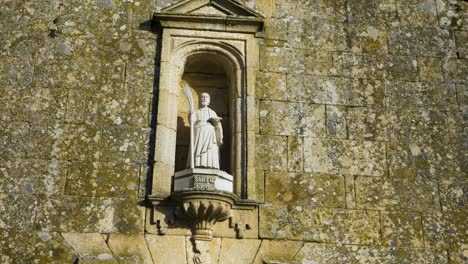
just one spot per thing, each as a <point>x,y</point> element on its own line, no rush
<point>204,209</point>
<point>217,15</point>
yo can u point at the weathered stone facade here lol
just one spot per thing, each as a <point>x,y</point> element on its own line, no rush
<point>360,139</point>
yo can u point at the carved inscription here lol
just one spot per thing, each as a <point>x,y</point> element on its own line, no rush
<point>203,182</point>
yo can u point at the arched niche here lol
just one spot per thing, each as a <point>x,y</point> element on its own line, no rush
<point>227,62</point>
<point>203,38</point>
<point>212,73</point>
<point>211,45</point>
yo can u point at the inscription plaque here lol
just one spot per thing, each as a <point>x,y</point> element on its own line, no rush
<point>203,182</point>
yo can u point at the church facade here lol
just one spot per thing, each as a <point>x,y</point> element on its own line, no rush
<point>233,131</point>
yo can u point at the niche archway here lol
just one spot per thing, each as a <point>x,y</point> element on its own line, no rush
<point>219,40</point>
<point>206,72</point>
<point>228,62</point>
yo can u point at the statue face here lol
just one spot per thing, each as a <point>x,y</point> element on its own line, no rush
<point>205,99</point>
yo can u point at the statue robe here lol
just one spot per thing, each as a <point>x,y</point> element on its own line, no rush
<point>207,139</point>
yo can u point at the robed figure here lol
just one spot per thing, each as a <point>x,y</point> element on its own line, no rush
<point>207,136</point>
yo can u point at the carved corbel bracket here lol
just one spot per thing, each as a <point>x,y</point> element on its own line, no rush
<point>204,209</point>
<point>239,227</point>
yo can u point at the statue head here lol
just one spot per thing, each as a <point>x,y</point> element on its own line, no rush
<point>205,99</point>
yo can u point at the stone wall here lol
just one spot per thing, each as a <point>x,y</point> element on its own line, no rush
<point>360,146</point>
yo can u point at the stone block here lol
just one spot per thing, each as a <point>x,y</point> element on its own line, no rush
<point>422,13</point>
<point>311,61</point>
<point>82,178</point>
<point>141,78</point>
<point>444,230</point>
<point>344,157</point>
<point>373,95</point>
<point>402,41</point>
<point>366,124</point>
<point>368,37</point>
<point>77,142</point>
<point>109,179</point>
<point>64,214</point>
<point>260,186</point>
<point>275,59</point>
<point>350,191</point>
<point>295,154</point>
<point>435,42</point>
<point>455,70</point>
<point>162,179</point>
<point>17,211</point>
<point>91,247</point>
<point>426,160</point>
<point>275,28</point>
<point>129,248</point>
<point>171,248</point>
<point>41,143</point>
<point>118,179</point>
<point>122,107</point>
<point>414,95</point>
<point>115,15</point>
<point>167,108</point>
<point>402,68</point>
<point>305,190</point>
<point>13,139</point>
<point>453,193</point>
<point>430,69</point>
<point>208,250</point>
<point>299,119</point>
<point>16,246</point>
<point>320,224</point>
<point>271,86</point>
<point>317,34</point>
<point>165,149</point>
<point>16,72</point>
<point>124,142</point>
<point>331,253</point>
<point>12,104</point>
<point>51,247</point>
<point>70,74</point>
<point>371,13</point>
<point>238,251</point>
<point>397,193</point>
<point>461,38</point>
<point>326,90</point>
<point>354,65</point>
<point>318,9</point>
<point>419,255</point>
<point>84,214</point>
<point>459,254</point>
<point>428,42</point>
<point>267,159</point>
<point>271,251</point>
<point>450,14</point>
<point>33,176</point>
<point>400,229</point>
<point>420,125</point>
<point>22,16</point>
<point>336,122</point>
<point>46,105</point>
<point>121,215</point>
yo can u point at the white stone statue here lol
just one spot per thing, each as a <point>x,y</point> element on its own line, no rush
<point>207,136</point>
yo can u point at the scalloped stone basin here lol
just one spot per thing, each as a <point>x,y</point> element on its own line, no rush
<point>204,209</point>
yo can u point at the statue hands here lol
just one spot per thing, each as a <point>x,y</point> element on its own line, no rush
<point>214,121</point>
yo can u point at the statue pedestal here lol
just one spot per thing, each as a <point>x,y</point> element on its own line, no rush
<point>203,179</point>
<point>205,196</point>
